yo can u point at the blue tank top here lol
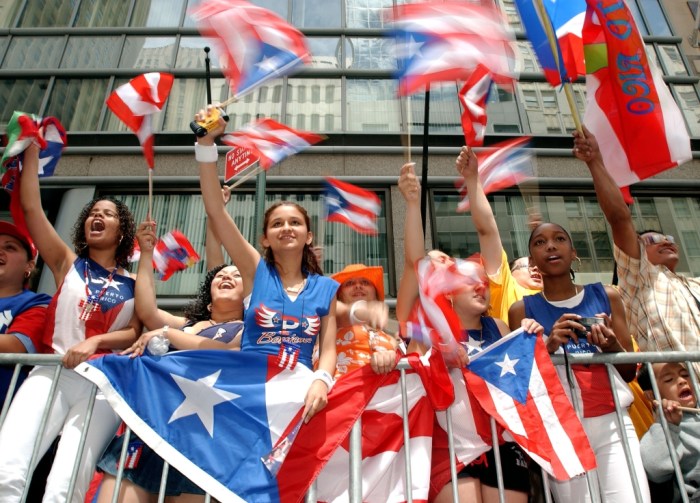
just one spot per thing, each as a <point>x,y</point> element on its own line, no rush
<point>273,320</point>
<point>224,332</point>
<point>478,340</point>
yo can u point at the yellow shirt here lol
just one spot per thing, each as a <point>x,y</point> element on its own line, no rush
<point>505,290</point>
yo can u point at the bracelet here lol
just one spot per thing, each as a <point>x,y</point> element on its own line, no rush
<point>159,344</point>
<point>354,320</point>
<point>322,375</point>
<point>205,153</point>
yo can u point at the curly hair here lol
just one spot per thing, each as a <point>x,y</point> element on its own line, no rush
<point>309,262</point>
<point>127,231</point>
<point>198,309</point>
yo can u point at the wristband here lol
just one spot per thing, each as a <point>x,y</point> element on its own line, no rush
<point>322,375</point>
<point>205,153</point>
<point>354,320</point>
<point>159,344</point>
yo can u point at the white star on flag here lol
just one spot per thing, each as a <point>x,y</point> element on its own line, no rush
<point>507,365</point>
<point>200,398</point>
<point>409,48</point>
<point>474,346</point>
<point>269,64</point>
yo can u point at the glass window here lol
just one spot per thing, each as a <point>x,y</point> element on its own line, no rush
<point>365,13</point>
<point>682,208</point>
<point>8,13</point>
<point>445,111</point>
<point>191,53</point>
<point>78,103</point>
<point>656,21</point>
<point>259,106</point>
<point>637,15</point>
<point>34,52</point>
<point>187,97</point>
<point>279,7</point>
<point>672,60</point>
<point>186,213</point>
<point>92,52</point>
<point>101,13</point>
<point>325,52</point>
<point>37,15</point>
<point>4,42</point>
<point>372,105</point>
<point>157,13</point>
<point>316,13</point>
<point>687,99</point>
<point>148,52</point>
<point>691,243</point>
<point>370,53</point>
<point>315,93</point>
<point>25,94</point>
<point>526,60</point>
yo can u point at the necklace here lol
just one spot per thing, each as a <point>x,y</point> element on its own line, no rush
<point>296,288</point>
<point>214,322</point>
<point>574,295</point>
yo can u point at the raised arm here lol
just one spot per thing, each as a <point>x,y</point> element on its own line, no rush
<point>485,223</point>
<point>245,256</point>
<point>212,245</point>
<point>57,255</point>
<point>609,196</point>
<point>145,291</point>
<point>414,244</point>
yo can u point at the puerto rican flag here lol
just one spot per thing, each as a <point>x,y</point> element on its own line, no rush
<point>218,414</point>
<point>565,17</point>
<point>473,97</point>
<point>639,127</point>
<point>514,380</point>
<point>135,102</point>
<point>447,41</point>
<point>254,44</point>
<point>353,206</point>
<point>270,141</point>
<point>510,163</point>
<point>47,132</point>
<point>173,252</point>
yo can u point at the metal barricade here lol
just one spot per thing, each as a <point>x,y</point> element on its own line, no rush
<point>355,467</point>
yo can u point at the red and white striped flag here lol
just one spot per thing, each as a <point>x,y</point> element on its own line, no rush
<point>473,96</point>
<point>639,128</point>
<point>135,102</point>
<point>353,206</point>
<point>271,141</point>
<point>507,165</point>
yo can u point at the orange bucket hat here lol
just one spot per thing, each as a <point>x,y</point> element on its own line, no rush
<point>375,274</point>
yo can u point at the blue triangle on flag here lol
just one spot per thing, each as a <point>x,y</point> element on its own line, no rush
<point>507,364</point>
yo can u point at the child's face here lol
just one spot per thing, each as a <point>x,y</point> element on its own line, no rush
<point>674,383</point>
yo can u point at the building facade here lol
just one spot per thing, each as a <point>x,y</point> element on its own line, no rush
<point>64,58</point>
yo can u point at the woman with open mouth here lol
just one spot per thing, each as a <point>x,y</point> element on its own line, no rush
<point>91,313</point>
<point>586,319</point>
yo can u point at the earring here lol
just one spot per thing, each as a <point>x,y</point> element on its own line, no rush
<point>209,307</point>
<point>27,274</point>
<point>578,268</point>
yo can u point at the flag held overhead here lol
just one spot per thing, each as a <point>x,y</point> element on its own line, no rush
<point>353,206</point>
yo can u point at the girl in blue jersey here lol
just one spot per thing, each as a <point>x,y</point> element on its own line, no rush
<point>560,308</point>
<point>291,304</point>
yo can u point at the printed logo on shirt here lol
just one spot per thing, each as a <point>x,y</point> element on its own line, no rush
<point>270,318</point>
<point>6,318</point>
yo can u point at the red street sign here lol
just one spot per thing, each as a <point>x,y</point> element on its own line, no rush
<point>238,159</point>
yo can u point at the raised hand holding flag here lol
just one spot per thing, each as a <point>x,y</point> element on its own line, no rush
<point>473,97</point>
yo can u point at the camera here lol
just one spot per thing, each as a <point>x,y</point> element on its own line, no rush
<point>202,128</point>
<point>587,323</point>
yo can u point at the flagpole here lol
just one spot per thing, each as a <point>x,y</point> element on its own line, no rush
<point>207,73</point>
<point>551,37</point>
<point>424,163</point>
<point>150,194</point>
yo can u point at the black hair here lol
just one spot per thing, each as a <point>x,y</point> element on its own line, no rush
<point>127,231</point>
<point>529,242</point>
<point>643,378</point>
<point>198,309</point>
<point>647,231</point>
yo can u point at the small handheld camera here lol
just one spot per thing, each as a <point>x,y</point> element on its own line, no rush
<point>587,323</point>
<point>202,128</point>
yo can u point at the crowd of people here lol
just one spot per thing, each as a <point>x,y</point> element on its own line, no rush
<point>279,302</point>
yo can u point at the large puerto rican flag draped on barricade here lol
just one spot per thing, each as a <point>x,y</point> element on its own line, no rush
<point>516,383</point>
<point>565,17</point>
<point>446,41</point>
<point>253,44</point>
<point>217,413</point>
<point>383,447</point>
<point>638,125</point>
<point>136,101</point>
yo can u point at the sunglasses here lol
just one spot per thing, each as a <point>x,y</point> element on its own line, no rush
<point>522,265</point>
<point>655,239</point>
